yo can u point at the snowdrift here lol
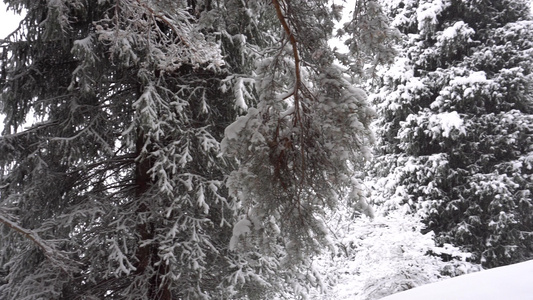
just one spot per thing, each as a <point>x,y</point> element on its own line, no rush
<point>513,282</point>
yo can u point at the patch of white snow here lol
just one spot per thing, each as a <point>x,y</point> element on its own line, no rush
<point>509,282</point>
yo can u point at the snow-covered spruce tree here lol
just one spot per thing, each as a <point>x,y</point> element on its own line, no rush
<point>112,182</point>
<point>299,148</point>
<point>111,175</point>
<point>455,124</point>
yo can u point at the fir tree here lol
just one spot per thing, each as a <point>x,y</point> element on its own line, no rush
<point>114,189</point>
<point>299,149</point>
<point>455,125</point>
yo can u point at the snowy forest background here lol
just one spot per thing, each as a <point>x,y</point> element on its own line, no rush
<point>225,149</point>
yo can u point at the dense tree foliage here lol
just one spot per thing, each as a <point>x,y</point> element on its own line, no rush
<point>111,179</point>
<point>455,124</point>
<point>115,180</point>
<point>206,149</point>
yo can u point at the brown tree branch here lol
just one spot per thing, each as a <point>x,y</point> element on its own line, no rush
<point>297,87</point>
<point>292,39</point>
<point>32,236</point>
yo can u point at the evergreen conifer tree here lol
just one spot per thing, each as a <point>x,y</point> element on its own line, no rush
<point>111,184</point>
<point>455,120</point>
<point>114,182</point>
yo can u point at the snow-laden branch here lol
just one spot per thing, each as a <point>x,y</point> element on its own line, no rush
<point>49,251</point>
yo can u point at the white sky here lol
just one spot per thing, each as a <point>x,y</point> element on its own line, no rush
<point>8,21</point>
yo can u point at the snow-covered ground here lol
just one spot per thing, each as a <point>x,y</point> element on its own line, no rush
<point>514,282</point>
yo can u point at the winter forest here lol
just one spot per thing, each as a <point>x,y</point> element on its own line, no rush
<point>262,149</point>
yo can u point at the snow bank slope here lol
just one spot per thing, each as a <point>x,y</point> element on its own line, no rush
<point>514,282</point>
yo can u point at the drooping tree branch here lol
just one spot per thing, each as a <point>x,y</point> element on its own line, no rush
<point>297,87</point>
